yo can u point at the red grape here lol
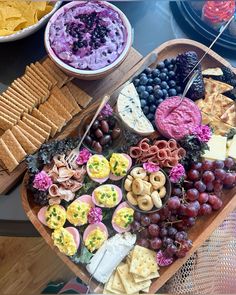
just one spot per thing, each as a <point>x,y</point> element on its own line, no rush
<point>205,209</point>
<point>208,176</point>
<point>203,198</point>
<point>191,210</point>
<point>180,236</point>
<point>154,217</point>
<point>212,199</point>
<point>229,179</point>
<point>135,226</point>
<point>145,220</point>
<point>172,232</point>
<point>189,221</point>
<point>196,204</point>
<point>137,215</point>
<point>143,243</point>
<point>193,174</point>
<point>176,191</point>
<point>207,165</point>
<point>197,166</point>
<point>218,185</point>
<point>217,204</point>
<point>182,209</point>
<point>220,174</point>
<point>188,184</point>
<point>163,232</point>
<point>144,234</point>
<point>154,230</point>
<point>229,162</point>
<point>180,253</point>
<point>200,186</point>
<point>155,243</point>
<point>186,245</point>
<point>218,164</point>
<point>167,241</point>
<point>192,194</point>
<point>209,187</point>
<point>171,250</point>
<point>173,203</point>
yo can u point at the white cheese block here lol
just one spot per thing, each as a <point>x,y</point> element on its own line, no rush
<point>217,148</point>
<point>130,112</point>
<point>109,256</point>
<point>212,72</point>
<point>232,149</point>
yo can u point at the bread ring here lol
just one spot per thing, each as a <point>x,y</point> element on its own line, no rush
<point>162,192</point>
<point>128,185</point>
<point>130,177</point>
<point>157,179</point>
<point>131,198</point>
<point>145,202</point>
<point>146,188</point>
<point>137,186</point>
<point>138,172</point>
<point>146,178</point>
<point>156,199</point>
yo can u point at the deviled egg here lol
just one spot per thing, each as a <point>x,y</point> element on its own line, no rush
<point>119,164</point>
<point>94,236</point>
<point>53,216</point>
<point>107,195</point>
<point>98,168</point>
<point>122,218</point>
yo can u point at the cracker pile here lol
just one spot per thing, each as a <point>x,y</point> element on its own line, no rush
<point>135,274</point>
<point>217,109</point>
<point>34,108</point>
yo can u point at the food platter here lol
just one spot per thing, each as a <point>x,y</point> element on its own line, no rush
<point>204,225</point>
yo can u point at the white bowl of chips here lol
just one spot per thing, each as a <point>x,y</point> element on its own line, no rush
<point>20,18</point>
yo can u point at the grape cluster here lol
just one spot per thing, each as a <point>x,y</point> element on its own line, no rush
<point>155,85</point>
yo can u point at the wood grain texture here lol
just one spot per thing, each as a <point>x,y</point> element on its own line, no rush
<point>204,226</point>
<point>96,89</point>
<point>27,265</point>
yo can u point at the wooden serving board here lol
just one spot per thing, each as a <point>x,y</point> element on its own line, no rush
<point>95,89</point>
<point>204,225</point>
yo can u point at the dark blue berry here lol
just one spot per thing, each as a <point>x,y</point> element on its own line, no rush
<point>158,93</point>
<point>150,116</point>
<point>150,81</point>
<point>153,123</point>
<point>143,103</point>
<point>155,73</point>
<point>152,108</point>
<point>172,92</point>
<point>171,74</point>
<point>164,85</point>
<point>160,65</point>
<point>143,80</point>
<point>165,70</point>
<point>159,101</point>
<point>136,82</point>
<point>142,75</point>
<point>163,76</point>
<point>151,99</point>
<point>144,94</point>
<point>156,87</point>
<point>157,81</point>
<point>148,71</point>
<point>173,61</point>
<point>178,89</point>
<point>171,67</point>
<point>149,88</point>
<point>167,62</point>
<point>165,93</point>
<point>146,110</point>
<point>141,88</point>
<point>172,83</point>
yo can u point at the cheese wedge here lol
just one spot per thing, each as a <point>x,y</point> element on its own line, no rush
<point>217,148</point>
<point>232,148</point>
<point>130,112</point>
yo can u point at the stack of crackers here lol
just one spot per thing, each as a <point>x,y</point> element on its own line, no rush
<point>34,108</point>
<point>135,274</point>
<point>217,110</point>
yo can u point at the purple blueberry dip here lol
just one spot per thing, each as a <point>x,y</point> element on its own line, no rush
<point>88,36</point>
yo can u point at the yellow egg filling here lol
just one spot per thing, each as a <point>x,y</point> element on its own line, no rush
<point>64,241</point>
<point>95,240</point>
<point>55,216</point>
<point>124,217</point>
<point>77,213</point>
<point>98,167</point>
<point>119,164</point>
<point>106,195</point>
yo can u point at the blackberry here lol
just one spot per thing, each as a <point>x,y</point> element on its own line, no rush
<point>228,74</point>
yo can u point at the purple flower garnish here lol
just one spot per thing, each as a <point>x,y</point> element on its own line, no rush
<point>176,173</point>
<point>162,260</point>
<point>95,215</point>
<point>83,156</point>
<point>202,132</point>
<point>42,181</point>
<point>151,167</point>
<point>107,110</point>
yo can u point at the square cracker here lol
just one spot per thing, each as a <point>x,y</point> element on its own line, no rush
<point>16,102</point>
<point>5,124</point>
<point>152,275</point>
<point>42,75</point>
<point>10,109</point>
<point>117,283</point>
<point>128,281</point>
<point>29,88</point>
<point>65,90</point>
<point>22,91</point>
<point>59,108</point>
<point>213,86</point>
<point>30,82</point>
<point>39,130</point>
<point>14,146</point>
<point>27,145</point>
<point>143,261</point>
<point>81,97</point>
<point>7,157</point>
<point>45,72</point>
<point>108,286</point>
<point>32,139</point>
<point>31,131</point>
<point>40,116</point>
<point>9,113</point>
<point>7,117</point>
<point>38,122</point>
<point>11,105</point>
<point>64,100</point>
<point>37,78</point>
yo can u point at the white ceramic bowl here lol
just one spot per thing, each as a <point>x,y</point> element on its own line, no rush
<point>88,74</point>
<point>31,29</point>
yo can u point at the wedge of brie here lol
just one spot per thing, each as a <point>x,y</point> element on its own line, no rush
<point>109,256</point>
<point>129,110</point>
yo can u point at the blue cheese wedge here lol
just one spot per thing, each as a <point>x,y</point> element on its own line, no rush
<point>217,148</point>
<point>129,110</point>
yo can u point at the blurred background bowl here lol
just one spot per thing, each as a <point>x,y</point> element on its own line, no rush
<point>31,29</point>
<point>88,74</point>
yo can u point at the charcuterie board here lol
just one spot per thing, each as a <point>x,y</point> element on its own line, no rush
<point>95,89</point>
<point>203,227</point>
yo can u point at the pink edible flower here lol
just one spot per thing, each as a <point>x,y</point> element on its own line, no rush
<point>202,132</point>
<point>151,167</point>
<point>107,110</point>
<point>42,181</point>
<point>176,173</point>
<point>83,156</point>
<point>95,215</point>
<point>162,260</point>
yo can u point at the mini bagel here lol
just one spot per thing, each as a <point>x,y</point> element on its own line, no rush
<point>156,199</point>
<point>131,198</point>
<point>137,186</point>
<point>146,178</point>
<point>157,179</point>
<point>130,177</point>
<point>128,185</point>
<point>145,202</point>
<point>146,188</point>
<point>162,192</point>
<point>138,172</point>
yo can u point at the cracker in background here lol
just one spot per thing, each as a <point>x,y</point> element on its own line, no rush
<point>29,81</point>
<point>40,116</point>
<point>27,145</point>
<point>38,122</point>
<point>20,89</point>
<point>19,104</point>
<point>5,124</point>
<point>9,113</point>
<point>31,131</point>
<point>108,286</point>
<point>61,77</point>
<point>10,109</point>
<point>216,104</point>
<point>65,90</point>
<point>152,275</point>
<point>14,146</point>
<point>63,99</point>
<point>11,104</point>
<point>117,283</point>
<point>37,78</point>
<point>58,107</point>
<point>7,157</point>
<point>36,128</point>
<point>32,139</point>
<point>220,128</point>
<point>17,97</point>
<point>42,75</point>
<point>46,73</point>
<point>9,118</point>
<point>81,97</point>
<point>29,90</point>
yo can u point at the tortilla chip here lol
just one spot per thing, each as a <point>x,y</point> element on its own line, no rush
<point>213,86</point>
<point>7,157</point>
<point>229,117</point>
<point>216,104</point>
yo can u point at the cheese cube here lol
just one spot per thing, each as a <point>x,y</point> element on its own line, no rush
<point>232,148</point>
<point>217,148</point>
